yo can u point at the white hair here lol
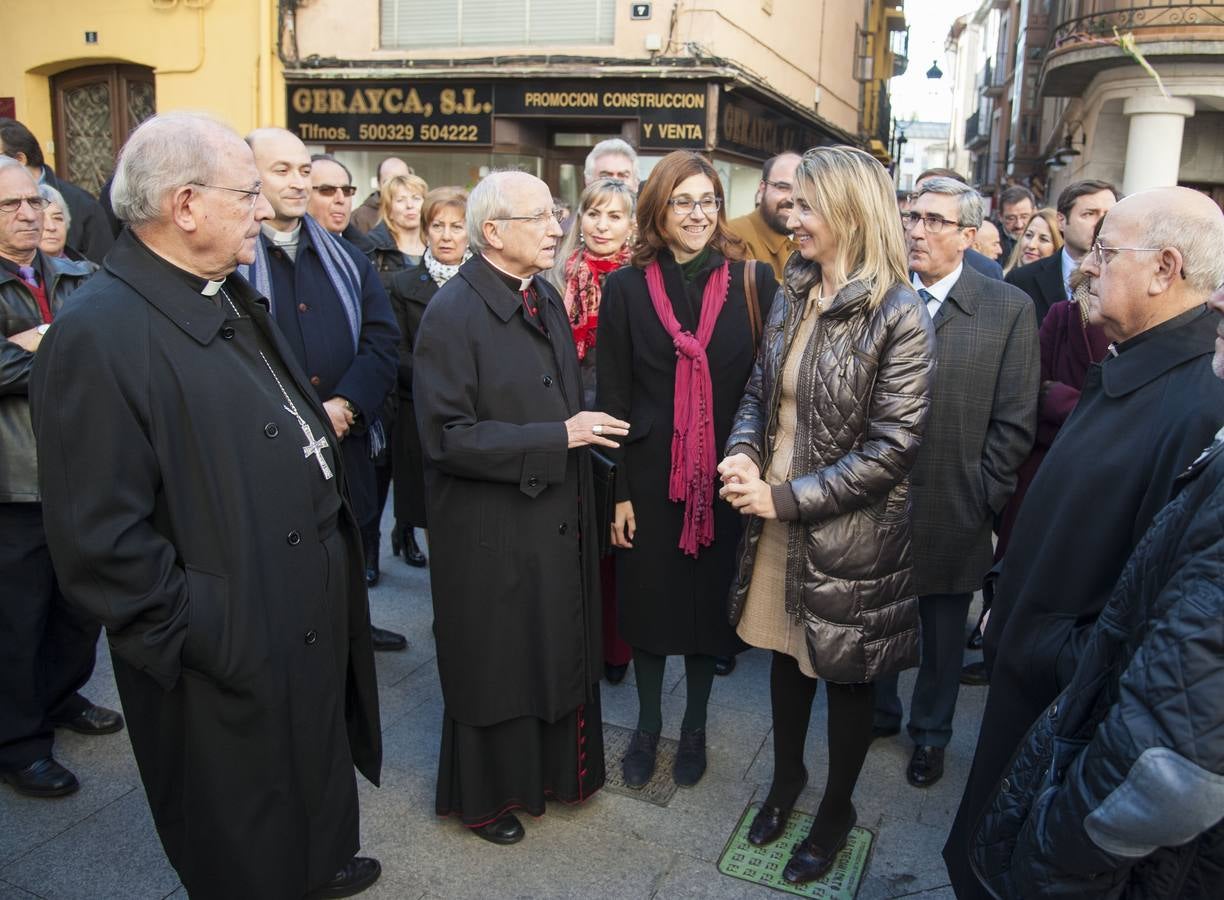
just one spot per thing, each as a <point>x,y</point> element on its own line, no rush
<point>487,201</point>
<point>606,148</point>
<point>52,196</point>
<point>1197,237</point>
<point>164,153</point>
<point>970,213</point>
<point>7,162</point>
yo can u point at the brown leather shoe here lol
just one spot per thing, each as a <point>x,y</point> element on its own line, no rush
<point>811,860</point>
<point>770,821</point>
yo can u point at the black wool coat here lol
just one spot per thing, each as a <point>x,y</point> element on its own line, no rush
<point>410,291</point>
<point>179,514</point>
<point>1141,419</point>
<point>1042,281</point>
<point>513,551</point>
<point>669,602</point>
<point>1117,791</point>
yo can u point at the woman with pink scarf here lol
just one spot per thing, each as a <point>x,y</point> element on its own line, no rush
<point>677,337</point>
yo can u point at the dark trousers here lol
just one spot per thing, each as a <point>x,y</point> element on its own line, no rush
<point>47,648</point>
<point>938,683</point>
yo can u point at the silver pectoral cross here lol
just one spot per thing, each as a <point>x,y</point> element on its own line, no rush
<point>313,447</point>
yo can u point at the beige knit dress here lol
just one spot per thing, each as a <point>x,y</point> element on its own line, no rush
<point>764,622</point>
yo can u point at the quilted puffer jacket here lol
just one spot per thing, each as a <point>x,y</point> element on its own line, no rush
<point>18,313</point>
<point>1118,790</point>
<point>866,377</point>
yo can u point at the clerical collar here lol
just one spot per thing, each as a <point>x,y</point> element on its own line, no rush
<point>515,282</point>
<point>195,283</point>
<point>211,287</point>
<point>285,240</point>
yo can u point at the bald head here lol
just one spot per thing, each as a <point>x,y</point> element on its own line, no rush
<point>1161,257</point>
<point>284,166</point>
<point>987,241</point>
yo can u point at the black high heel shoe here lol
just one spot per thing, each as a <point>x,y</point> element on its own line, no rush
<point>771,821</point>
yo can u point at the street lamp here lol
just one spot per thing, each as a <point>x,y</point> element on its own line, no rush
<point>934,73</point>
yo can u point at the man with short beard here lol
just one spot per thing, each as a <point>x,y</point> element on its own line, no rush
<point>764,229</point>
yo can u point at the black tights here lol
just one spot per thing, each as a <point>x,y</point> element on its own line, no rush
<point>648,673</point>
<point>850,716</point>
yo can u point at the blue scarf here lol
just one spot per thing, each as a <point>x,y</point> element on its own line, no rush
<point>341,271</point>
<point>345,279</point>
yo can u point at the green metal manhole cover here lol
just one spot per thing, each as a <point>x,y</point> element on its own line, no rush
<point>660,789</point>
<point>764,865</point>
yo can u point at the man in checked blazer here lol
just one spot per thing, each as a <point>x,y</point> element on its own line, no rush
<point>981,428</point>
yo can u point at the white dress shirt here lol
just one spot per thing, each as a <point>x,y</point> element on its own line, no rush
<point>939,290</point>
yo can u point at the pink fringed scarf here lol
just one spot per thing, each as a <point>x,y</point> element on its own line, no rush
<point>694,458</point>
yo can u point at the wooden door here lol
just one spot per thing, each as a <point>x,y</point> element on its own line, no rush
<point>95,109</point>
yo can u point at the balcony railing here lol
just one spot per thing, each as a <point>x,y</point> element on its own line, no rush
<point>977,131</point>
<point>1083,21</point>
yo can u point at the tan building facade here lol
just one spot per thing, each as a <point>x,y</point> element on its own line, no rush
<point>458,88</point>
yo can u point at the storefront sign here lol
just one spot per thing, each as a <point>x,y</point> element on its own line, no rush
<point>750,127</point>
<point>672,115</point>
<point>434,114</point>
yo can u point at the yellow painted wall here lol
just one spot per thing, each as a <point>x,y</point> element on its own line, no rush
<point>218,56</point>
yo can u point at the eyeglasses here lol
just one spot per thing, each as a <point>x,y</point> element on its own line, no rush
<point>556,212</point>
<point>329,190</point>
<point>12,204</point>
<point>932,224</point>
<point>1099,253</point>
<point>684,205</point>
<point>784,186</point>
<point>253,194</point>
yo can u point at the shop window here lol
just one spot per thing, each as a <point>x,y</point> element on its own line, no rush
<point>95,109</point>
<point>415,24</point>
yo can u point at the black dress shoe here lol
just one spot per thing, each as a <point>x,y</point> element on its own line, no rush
<point>884,731</point>
<point>690,763</point>
<point>615,674</point>
<point>925,766</point>
<point>358,874</point>
<point>505,829</point>
<point>42,778</point>
<point>724,665</point>
<point>770,821</point>
<point>382,639</point>
<point>811,860</point>
<point>639,763</point>
<point>974,674</point>
<point>93,720</point>
<point>413,555</point>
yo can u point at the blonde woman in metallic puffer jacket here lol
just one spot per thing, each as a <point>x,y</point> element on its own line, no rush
<point>819,457</point>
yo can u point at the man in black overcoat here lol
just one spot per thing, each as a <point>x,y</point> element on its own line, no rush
<point>981,428</point>
<point>195,503</point>
<point>513,535</point>
<point>332,309</point>
<point>1143,416</point>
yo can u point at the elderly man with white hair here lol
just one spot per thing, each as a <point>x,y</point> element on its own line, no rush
<point>513,533</point>
<point>613,159</point>
<point>1143,415</point>
<point>194,502</point>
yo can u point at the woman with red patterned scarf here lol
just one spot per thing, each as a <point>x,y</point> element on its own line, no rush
<point>597,244</point>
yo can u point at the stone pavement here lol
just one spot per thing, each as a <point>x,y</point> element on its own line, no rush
<point>100,843</point>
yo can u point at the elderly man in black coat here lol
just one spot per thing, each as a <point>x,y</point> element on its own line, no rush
<point>1143,416</point>
<point>513,535</point>
<point>332,309</point>
<point>195,503</point>
<point>981,428</point>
